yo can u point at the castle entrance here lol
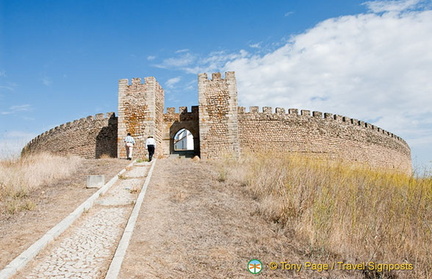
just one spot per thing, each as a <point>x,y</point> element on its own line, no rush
<point>184,140</point>
<point>184,143</point>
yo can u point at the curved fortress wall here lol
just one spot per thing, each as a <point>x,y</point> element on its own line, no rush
<point>322,134</point>
<point>89,137</point>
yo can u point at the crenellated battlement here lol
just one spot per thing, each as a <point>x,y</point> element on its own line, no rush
<point>137,81</point>
<point>172,110</point>
<point>182,114</point>
<point>217,76</point>
<point>267,113</point>
<point>72,135</point>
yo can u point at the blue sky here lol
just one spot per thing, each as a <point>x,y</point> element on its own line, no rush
<point>371,60</point>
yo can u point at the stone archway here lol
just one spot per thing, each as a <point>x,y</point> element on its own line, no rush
<point>183,141</point>
<point>179,129</point>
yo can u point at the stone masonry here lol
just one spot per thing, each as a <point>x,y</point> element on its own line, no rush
<point>140,112</point>
<point>219,128</point>
<point>89,137</point>
<point>218,115</point>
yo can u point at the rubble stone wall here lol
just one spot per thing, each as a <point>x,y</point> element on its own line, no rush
<point>321,134</point>
<point>89,137</point>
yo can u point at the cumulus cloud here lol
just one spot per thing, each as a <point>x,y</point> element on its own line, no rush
<point>375,67</point>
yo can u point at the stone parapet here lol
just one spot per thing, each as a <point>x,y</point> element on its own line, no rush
<point>326,134</point>
<point>89,137</point>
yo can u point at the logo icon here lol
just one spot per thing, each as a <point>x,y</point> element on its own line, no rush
<point>254,266</point>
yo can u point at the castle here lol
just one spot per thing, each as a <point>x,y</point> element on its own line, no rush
<point>218,127</point>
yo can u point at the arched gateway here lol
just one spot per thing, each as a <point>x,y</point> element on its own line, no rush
<point>213,124</point>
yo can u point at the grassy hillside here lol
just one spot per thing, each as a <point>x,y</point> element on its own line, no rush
<point>354,213</point>
<point>20,176</point>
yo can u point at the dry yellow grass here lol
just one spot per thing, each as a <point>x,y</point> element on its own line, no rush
<point>354,212</point>
<point>18,177</point>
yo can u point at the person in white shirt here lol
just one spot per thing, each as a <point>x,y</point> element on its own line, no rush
<point>150,145</point>
<point>129,143</point>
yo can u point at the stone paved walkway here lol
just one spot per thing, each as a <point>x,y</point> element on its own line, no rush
<point>85,250</point>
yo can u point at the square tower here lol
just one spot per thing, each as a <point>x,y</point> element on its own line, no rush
<point>140,112</point>
<point>218,116</point>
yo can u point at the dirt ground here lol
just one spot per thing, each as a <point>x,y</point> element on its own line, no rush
<point>193,225</point>
<point>53,203</point>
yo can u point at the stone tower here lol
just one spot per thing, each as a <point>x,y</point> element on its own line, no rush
<point>218,116</point>
<point>140,112</point>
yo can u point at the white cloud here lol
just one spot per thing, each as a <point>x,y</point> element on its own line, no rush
<point>151,57</point>
<point>372,67</point>
<point>170,84</point>
<point>257,45</point>
<point>194,64</point>
<point>177,62</point>
<point>16,109</point>
<point>392,5</point>
<point>214,61</point>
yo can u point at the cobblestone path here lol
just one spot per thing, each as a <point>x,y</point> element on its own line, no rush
<point>85,250</point>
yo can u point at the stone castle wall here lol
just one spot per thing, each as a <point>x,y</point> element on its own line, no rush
<point>89,137</point>
<point>219,127</point>
<point>322,134</point>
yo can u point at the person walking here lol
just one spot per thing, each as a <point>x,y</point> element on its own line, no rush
<point>129,143</point>
<point>150,145</point>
